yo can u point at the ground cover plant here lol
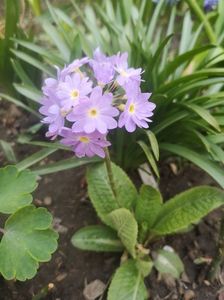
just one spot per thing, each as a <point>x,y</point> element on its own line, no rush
<point>117,87</point>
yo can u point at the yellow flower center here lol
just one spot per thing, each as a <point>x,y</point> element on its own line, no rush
<point>131,108</point>
<point>84,139</point>
<point>123,73</point>
<point>63,113</point>
<point>74,94</point>
<point>93,113</point>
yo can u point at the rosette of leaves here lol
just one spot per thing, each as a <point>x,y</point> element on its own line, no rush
<point>27,236</point>
<point>133,220</point>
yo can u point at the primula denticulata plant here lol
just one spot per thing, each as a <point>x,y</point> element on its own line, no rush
<point>82,106</point>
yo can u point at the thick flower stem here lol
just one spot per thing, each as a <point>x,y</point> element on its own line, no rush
<point>202,17</point>
<point>109,172</point>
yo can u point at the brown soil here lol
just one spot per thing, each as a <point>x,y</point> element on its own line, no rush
<point>64,194</point>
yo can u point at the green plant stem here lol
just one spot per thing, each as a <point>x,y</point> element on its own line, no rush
<point>36,7</point>
<point>219,259</point>
<point>109,172</point>
<point>43,292</point>
<point>202,17</point>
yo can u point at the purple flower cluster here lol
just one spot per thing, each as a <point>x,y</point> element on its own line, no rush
<point>90,97</point>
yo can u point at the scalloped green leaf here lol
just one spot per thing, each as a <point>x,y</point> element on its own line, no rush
<point>101,194</point>
<point>15,188</point>
<point>97,238</point>
<point>126,226</point>
<point>28,239</point>
<point>128,283</point>
<point>186,208</point>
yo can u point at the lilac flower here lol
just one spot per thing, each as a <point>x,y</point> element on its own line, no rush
<point>94,113</point>
<point>87,109</point>
<point>51,84</point>
<point>137,112</point>
<point>103,67</point>
<point>210,4</point>
<point>54,115</point>
<point>85,144</point>
<point>74,66</point>
<point>126,75</point>
<point>73,89</point>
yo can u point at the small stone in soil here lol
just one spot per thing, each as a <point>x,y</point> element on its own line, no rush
<point>38,202</point>
<point>189,295</point>
<point>58,227</point>
<point>94,289</point>
<point>185,278</point>
<point>221,295</point>
<point>61,277</point>
<point>173,168</point>
<point>47,200</point>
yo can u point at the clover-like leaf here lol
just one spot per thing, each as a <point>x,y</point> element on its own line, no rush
<point>15,188</point>
<point>28,239</point>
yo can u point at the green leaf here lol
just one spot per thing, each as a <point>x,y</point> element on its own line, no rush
<point>187,56</point>
<point>187,208</point>
<point>200,160</point>
<point>19,104</point>
<point>35,158</point>
<point>127,283</point>
<point>27,240</point>
<point>101,194</point>
<point>34,62</point>
<point>65,164</point>
<point>15,189</point>
<point>97,238</point>
<point>126,226</point>
<point>145,266</point>
<point>149,156</point>
<point>204,114</point>
<point>12,14</point>
<point>148,205</point>
<point>8,151</point>
<point>17,66</point>
<point>55,59</point>
<point>154,143</point>
<point>30,92</point>
<point>168,262</point>
<point>55,36</point>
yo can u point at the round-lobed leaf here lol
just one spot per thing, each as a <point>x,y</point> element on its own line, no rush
<point>28,239</point>
<point>128,283</point>
<point>15,189</point>
<point>97,238</point>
